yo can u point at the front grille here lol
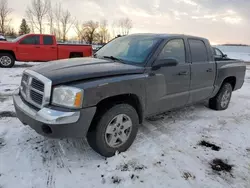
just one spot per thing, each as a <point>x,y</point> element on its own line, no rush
<point>35,89</point>
<point>36,84</point>
<point>36,97</point>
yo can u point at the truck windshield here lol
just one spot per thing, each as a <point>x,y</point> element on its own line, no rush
<point>130,49</point>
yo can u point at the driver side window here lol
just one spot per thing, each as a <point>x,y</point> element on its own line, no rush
<point>31,40</point>
<point>174,49</point>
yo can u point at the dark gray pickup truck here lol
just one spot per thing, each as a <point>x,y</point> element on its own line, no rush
<point>107,97</point>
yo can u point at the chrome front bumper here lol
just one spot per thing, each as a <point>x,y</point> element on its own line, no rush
<point>46,115</point>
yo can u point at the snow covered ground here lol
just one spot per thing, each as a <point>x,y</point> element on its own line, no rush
<point>236,52</point>
<point>166,152</point>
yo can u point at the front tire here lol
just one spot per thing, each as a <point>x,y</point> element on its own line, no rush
<point>6,60</point>
<point>116,130</point>
<point>222,99</point>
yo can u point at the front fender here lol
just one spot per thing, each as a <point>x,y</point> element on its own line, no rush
<point>100,89</point>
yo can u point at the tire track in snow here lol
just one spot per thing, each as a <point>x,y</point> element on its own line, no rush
<point>53,159</point>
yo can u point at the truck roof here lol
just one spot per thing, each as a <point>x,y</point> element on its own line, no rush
<point>158,35</point>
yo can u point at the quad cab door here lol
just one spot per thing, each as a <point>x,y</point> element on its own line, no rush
<point>169,83</point>
<point>29,48</point>
<point>203,70</point>
<point>49,48</point>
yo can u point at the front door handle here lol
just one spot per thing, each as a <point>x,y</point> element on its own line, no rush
<point>53,47</point>
<point>183,73</point>
<point>209,70</point>
<point>37,47</point>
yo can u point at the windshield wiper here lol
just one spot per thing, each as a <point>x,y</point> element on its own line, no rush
<point>114,58</point>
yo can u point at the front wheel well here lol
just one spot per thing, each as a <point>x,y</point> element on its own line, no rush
<point>231,80</point>
<point>8,52</point>
<point>109,102</point>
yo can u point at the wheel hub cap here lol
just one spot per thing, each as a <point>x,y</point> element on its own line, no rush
<point>118,130</point>
<point>5,60</point>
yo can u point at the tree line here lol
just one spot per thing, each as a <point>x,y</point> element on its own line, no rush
<point>43,16</point>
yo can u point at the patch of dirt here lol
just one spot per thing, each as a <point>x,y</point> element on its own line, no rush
<point>116,180</point>
<point>209,145</point>
<point>7,90</point>
<point>158,163</point>
<point>188,175</point>
<point>133,177</point>
<point>140,167</point>
<point>220,165</point>
<point>124,167</point>
<point>2,142</point>
<point>131,166</point>
<point>5,114</point>
<point>248,149</point>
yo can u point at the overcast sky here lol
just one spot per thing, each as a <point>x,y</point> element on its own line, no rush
<point>221,21</point>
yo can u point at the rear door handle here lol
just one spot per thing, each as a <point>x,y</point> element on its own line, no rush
<point>53,47</point>
<point>209,70</point>
<point>183,73</point>
<point>37,47</point>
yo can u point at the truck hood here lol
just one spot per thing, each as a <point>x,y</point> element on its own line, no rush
<point>5,45</point>
<point>69,70</point>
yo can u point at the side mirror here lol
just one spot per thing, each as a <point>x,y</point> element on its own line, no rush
<point>224,55</point>
<point>170,62</point>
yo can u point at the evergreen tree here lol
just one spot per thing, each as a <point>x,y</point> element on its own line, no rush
<point>24,28</point>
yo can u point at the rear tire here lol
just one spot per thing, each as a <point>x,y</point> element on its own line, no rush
<point>6,60</point>
<point>222,99</point>
<point>116,130</point>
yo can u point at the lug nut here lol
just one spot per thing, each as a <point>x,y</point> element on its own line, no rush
<point>120,132</point>
<point>114,129</point>
<point>122,127</point>
<point>118,125</point>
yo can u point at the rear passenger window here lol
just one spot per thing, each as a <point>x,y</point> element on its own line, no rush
<point>198,50</point>
<point>174,49</point>
<point>48,40</point>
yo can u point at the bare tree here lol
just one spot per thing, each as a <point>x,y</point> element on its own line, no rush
<point>104,35</point>
<point>79,29</point>
<point>115,29</point>
<point>37,12</point>
<point>5,12</point>
<point>10,31</point>
<point>57,16</point>
<point>32,28</point>
<point>90,31</point>
<point>66,22</point>
<point>50,18</point>
<point>125,25</point>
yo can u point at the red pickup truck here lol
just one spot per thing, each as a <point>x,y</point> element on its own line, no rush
<point>39,47</point>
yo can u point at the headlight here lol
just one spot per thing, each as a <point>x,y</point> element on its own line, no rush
<point>67,96</point>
